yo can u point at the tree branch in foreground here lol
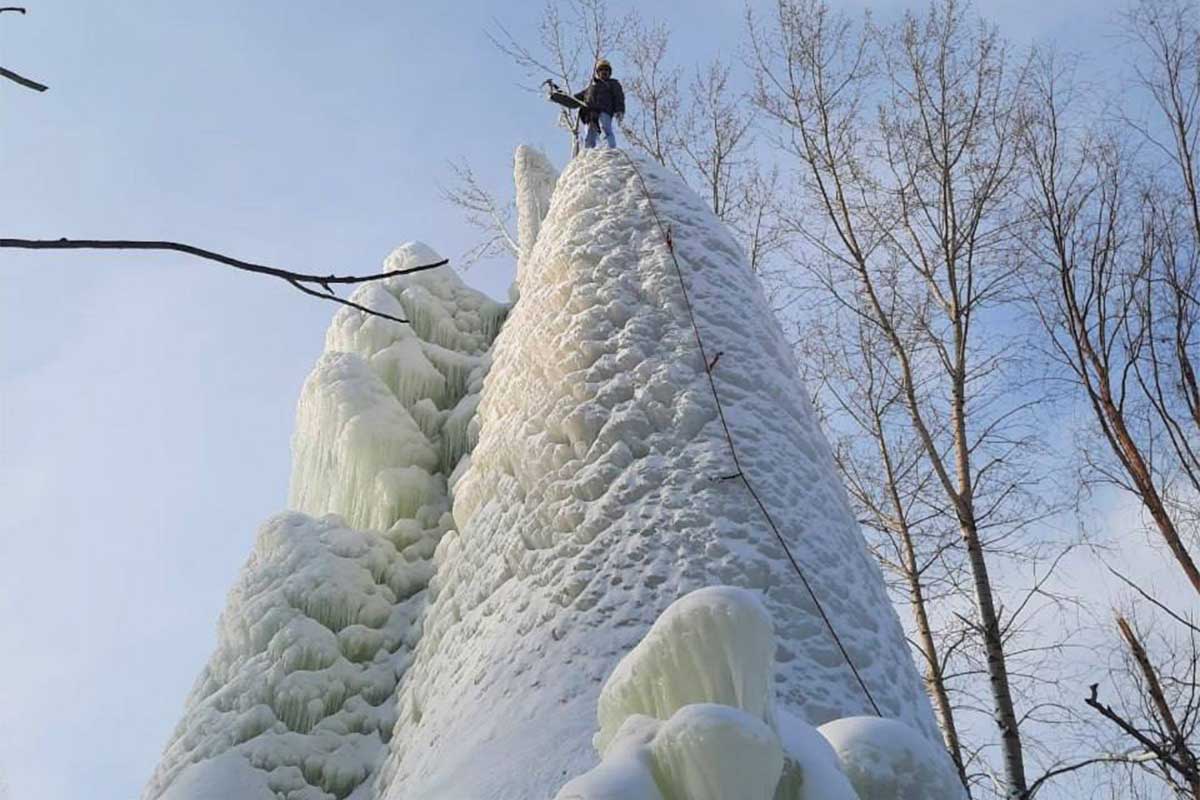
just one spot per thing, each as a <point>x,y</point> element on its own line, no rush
<point>14,77</point>
<point>21,79</point>
<point>297,279</point>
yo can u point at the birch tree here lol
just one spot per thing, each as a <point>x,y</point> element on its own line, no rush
<point>1115,230</point>
<point>907,223</point>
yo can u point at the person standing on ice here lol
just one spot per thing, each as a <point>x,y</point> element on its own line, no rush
<point>605,99</point>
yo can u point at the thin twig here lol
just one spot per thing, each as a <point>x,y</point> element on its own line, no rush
<point>1116,758</point>
<point>1151,598</point>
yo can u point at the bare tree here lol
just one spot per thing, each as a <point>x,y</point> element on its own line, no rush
<point>759,223</point>
<point>652,122</point>
<point>889,480</point>
<point>482,211</point>
<point>908,225</point>
<point>703,131</point>
<point>1123,256</point>
<point>1163,709</point>
<point>571,37</point>
<point>1115,228</point>
<point>714,136</point>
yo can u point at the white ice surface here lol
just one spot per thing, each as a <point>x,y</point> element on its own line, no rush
<point>627,771</point>
<point>685,714</point>
<point>582,458</point>
<point>705,751</point>
<point>299,699</point>
<point>887,760</point>
<point>713,752</point>
<point>811,768</point>
<point>594,499</point>
<point>227,776</point>
<point>714,645</point>
<point>535,177</point>
<point>309,649</point>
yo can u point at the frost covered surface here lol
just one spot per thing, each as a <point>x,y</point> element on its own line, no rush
<point>592,501</point>
<point>491,524</point>
<point>884,761</point>
<point>714,752</point>
<point>298,701</point>
<point>811,769</point>
<point>535,177</point>
<point>698,739</point>
<point>391,405</point>
<point>685,714</point>
<point>295,700</point>
<point>714,645</point>
<point>705,751</point>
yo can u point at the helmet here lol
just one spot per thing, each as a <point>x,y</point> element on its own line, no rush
<point>603,64</point>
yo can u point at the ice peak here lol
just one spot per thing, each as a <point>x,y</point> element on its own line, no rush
<point>520,507</point>
<point>534,177</point>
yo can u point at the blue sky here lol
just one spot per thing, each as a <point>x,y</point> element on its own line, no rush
<point>146,400</point>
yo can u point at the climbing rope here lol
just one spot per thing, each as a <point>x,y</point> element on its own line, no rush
<point>740,474</point>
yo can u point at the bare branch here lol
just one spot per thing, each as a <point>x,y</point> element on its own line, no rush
<point>295,279</point>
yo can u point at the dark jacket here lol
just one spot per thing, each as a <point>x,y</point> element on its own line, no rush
<point>603,96</point>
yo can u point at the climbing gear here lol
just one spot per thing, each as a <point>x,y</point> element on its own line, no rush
<point>603,64</point>
<point>555,94</point>
<point>740,474</point>
<point>569,103</point>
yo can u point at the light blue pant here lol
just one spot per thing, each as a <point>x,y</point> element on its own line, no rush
<point>593,131</point>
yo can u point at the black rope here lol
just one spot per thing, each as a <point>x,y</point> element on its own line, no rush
<point>741,473</point>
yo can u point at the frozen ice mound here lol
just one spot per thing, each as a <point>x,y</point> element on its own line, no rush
<point>697,740</point>
<point>811,769</point>
<point>296,696</point>
<point>593,500</point>
<point>885,761</point>
<point>298,702</point>
<point>715,645</point>
<point>686,713</point>
<point>390,405</point>
<point>535,178</point>
<point>513,511</point>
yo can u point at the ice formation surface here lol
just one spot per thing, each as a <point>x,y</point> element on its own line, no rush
<point>685,715</point>
<point>593,500</point>
<point>715,645</point>
<point>298,702</point>
<point>811,769</point>
<point>535,177</point>
<point>884,761</point>
<point>296,695</point>
<point>698,738</point>
<point>487,520</point>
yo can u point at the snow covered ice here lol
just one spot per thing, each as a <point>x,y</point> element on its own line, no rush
<point>689,714</point>
<point>713,645</point>
<point>494,509</point>
<point>882,759</point>
<point>299,699</point>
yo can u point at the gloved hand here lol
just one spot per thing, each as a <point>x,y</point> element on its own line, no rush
<point>620,117</point>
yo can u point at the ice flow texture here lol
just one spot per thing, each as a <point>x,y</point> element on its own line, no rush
<point>591,501</point>
<point>298,701</point>
<point>594,499</point>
